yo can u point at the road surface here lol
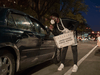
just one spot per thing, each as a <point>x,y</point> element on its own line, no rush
<point>89,66</point>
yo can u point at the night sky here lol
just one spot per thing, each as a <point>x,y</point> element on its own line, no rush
<point>93,14</point>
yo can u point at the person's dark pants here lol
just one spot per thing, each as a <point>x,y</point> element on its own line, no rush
<point>64,52</point>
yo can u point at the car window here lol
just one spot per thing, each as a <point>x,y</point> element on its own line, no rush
<point>36,27</point>
<point>21,22</point>
<point>10,21</point>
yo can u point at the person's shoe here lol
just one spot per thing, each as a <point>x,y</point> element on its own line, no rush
<point>60,67</point>
<point>75,68</point>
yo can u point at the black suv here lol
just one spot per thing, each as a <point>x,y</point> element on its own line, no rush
<point>23,40</point>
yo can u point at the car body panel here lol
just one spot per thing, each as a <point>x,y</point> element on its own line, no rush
<point>28,45</point>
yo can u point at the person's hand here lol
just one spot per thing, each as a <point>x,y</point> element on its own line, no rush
<point>51,27</point>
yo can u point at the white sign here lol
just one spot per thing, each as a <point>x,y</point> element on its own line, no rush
<point>64,40</point>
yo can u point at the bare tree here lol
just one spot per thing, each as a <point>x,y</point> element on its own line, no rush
<point>41,7</point>
<point>74,6</point>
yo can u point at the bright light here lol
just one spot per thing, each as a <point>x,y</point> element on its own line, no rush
<point>3,5</point>
<point>97,32</point>
<point>37,25</point>
<point>46,26</point>
<point>14,2</point>
<point>93,32</point>
<point>26,23</point>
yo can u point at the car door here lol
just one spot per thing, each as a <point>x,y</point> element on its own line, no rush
<point>47,47</point>
<point>25,40</point>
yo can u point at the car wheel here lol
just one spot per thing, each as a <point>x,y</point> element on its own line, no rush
<point>7,63</point>
<point>57,56</point>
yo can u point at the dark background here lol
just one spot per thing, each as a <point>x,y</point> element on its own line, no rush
<point>93,14</point>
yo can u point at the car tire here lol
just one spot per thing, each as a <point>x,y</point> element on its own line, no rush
<point>7,63</point>
<point>57,56</point>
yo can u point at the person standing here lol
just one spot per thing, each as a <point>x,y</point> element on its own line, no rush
<point>57,28</point>
<point>98,40</point>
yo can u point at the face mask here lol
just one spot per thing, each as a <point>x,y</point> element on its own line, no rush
<point>52,21</point>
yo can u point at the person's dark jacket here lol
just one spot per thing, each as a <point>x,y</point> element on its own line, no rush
<point>68,23</point>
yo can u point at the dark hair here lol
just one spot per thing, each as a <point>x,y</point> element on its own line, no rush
<point>55,14</point>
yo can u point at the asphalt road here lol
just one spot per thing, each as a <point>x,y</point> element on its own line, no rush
<point>90,66</point>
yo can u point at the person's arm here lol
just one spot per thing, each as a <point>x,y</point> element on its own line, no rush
<point>74,25</point>
<point>53,30</point>
<point>71,24</point>
<point>51,27</point>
